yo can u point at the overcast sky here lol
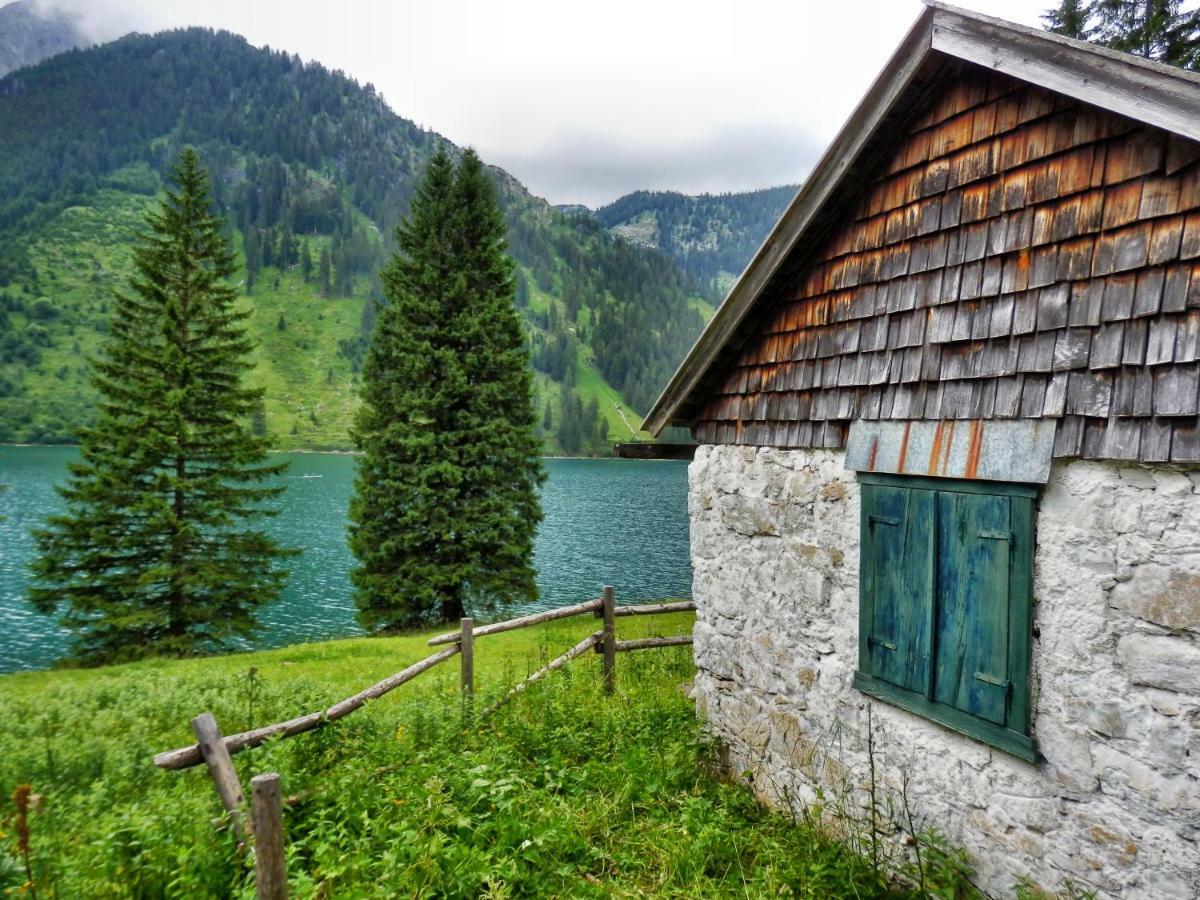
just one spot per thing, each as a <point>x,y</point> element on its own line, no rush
<point>586,101</point>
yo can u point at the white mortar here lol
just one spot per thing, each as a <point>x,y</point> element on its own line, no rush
<point>1115,804</point>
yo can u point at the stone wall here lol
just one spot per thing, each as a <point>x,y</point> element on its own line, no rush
<point>1115,804</point>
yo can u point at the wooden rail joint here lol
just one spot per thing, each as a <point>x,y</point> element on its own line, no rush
<point>214,748</point>
<point>452,637</point>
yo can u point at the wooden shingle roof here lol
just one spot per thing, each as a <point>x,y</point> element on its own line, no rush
<point>1006,227</point>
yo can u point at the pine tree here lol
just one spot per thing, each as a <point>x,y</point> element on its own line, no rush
<point>445,505</point>
<point>154,553</point>
<point>591,412</point>
<point>1156,29</point>
<point>343,277</point>
<point>253,259</point>
<point>1070,19</point>
<point>306,262</point>
<point>570,422</point>
<point>325,273</point>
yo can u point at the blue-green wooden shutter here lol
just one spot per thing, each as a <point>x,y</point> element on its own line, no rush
<point>897,571</point>
<point>975,541</point>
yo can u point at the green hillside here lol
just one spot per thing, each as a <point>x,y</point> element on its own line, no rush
<point>312,171</point>
<point>711,236</point>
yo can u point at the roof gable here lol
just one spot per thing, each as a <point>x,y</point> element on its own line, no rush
<point>1146,91</point>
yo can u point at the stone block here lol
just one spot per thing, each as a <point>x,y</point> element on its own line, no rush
<point>1167,595</point>
<point>1041,814</point>
<point>1171,482</point>
<point>1169,662</point>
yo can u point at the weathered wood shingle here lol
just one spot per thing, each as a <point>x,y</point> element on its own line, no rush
<point>1018,254</point>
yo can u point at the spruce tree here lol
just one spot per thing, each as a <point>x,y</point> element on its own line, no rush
<point>1069,18</point>
<point>306,262</point>
<point>446,504</point>
<point>324,273</point>
<point>1156,29</point>
<point>155,553</point>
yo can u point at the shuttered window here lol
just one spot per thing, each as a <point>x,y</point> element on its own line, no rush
<point>944,617</point>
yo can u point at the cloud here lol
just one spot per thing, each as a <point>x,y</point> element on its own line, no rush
<point>99,20</point>
<point>594,169</point>
<point>588,99</point>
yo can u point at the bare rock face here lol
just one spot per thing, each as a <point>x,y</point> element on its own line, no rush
<point>31,32</point>
<point>1114,803</point>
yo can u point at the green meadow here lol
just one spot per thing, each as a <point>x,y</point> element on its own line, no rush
<point>565,792</point>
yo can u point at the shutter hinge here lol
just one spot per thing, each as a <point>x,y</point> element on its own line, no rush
<point>886,645</point>
<point>996,535</point>
<point>992,679</point>
<point>884,520</point>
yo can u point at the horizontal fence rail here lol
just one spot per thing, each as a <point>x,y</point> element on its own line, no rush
<point>652,642</point>
<point>186,757</point>
<point>644,609</point>
<point>549,615</point>
<point>262,825</point>
<point>654,609</point>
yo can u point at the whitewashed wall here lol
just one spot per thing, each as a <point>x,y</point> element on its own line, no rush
<point>1114,806</point>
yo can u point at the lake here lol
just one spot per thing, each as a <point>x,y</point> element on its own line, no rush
<point>619,522</point>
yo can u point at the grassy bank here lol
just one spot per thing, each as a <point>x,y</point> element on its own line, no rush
<point>565,792</point>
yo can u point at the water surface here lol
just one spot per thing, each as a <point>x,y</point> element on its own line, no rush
<point>619,522</point>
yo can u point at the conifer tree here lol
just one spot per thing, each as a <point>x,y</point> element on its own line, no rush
<point>445,505</point>
<point>570,424</point>
<point>325,273</point>
<point>306,262</point>
<point>1069,18</point>
<point>155,553</point>
<point>1156,29</point>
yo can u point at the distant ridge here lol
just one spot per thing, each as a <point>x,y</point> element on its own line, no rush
<point>29,34</point>
<point>311,171</point>
<point>711,236</point>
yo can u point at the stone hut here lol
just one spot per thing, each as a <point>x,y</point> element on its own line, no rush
<point>945,498</point>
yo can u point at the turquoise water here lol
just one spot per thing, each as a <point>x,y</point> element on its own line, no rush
<point>619,522</point>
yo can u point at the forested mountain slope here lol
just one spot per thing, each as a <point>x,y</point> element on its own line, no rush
<point>29,34</point>
<point>312,172</point>
<point>712,236</point>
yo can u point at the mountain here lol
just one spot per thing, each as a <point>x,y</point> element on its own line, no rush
<point>30,33</point>
<point>312,171</point>
<point>711,236</point>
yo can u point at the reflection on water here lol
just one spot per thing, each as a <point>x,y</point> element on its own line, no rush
<point>620,522</point>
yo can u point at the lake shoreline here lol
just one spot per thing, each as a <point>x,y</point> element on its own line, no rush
<point>606,521</point>
<point>310,452</point>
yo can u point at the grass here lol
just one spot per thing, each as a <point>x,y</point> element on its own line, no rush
<point>564,792</point>
<point>311,391</point>
<point>589,383</point>
<point>624,424</point>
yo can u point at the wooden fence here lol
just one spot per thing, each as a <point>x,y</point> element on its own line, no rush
<point>263,829</point>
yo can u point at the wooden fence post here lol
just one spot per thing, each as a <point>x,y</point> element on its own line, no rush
<point>220,766</point>
<point>609,641</point>
<point>270,864</point>
<point>467,655</point>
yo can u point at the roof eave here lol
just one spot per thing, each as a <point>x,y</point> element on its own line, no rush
<point>812,196</point>
<point>1144,90</point>
<point>1141,89</point>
